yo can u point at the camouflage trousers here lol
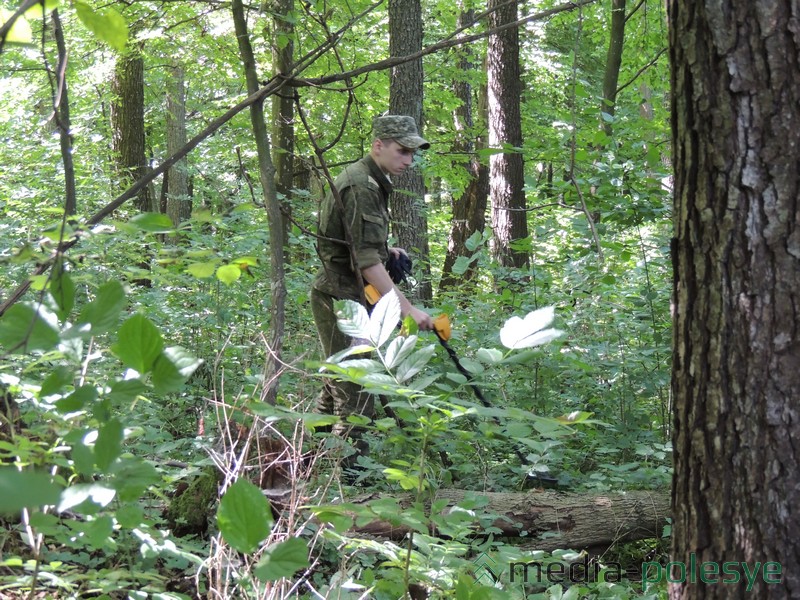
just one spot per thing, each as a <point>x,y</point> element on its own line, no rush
<point>339,398</point>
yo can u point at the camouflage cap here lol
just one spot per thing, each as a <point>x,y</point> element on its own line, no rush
<point>401,129</point>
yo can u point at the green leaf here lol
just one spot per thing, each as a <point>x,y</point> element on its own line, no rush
<point>21,489</point>
<point>77,399</point>
<point>415,363</point>
<point>172,368</point>
<point>202,270</point>
<point>399,350</point>
<point>139,345</point>
<point>283,560</point>
<point>102,313</point>
<point>489,356</point>
<point>35,12</point>
<point>229,274</point>
<point>152,222</point>
<point>108,446</point>
<point>62,289</point>
<point>132,477</point>
<point>25,327</point>
<point>353,319</point>
<point>20,32</point>
<point>55,381</point>
<point>108,25</point>
<point>244,516</point>
<point>384,319</point>
<point>462,264</point>
<point>126,390</point>
<point>574,417</point>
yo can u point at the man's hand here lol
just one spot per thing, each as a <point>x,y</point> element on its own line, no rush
<point>424,320</point>
<point>398,252</point>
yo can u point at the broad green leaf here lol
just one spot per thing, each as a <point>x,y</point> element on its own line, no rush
<point>415,363</point>
<point>229,274</point>
<point>21,489</point>
<point>139,344</point>
<point>108,446</point>
<point>529,332</point>
<point>172,368</point>
<point>244,516</point>
<point>98,531</point>
<point>152,222</point>
<point>126,390</point>
<point>132,477</point>
<point>62,289</point>
<point>384,319</point>
<point>283,560</point>
<point>102,313</point>
<point>56,380</point>
<point>489,356</point>
<point>353,319</point>
<point>574,417</point>
<point>25,327</point>
<point>202,270</point>
<point>35,12</point>
<point>399,349</point>
<point>474,241</point>
<point>20,32</point>
<point>107,24</point>
<point>77,399</point>
<point>462,264</point>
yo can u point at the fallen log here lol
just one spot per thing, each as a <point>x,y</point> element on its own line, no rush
<point>550,520</point>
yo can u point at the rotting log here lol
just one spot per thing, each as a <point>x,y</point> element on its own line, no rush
<point>550,520</point>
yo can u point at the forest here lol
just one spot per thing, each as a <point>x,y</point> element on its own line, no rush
<point>607,216</point>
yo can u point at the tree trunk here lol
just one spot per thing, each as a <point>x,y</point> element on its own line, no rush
<point>179,205</point>
<point>283,110</point>
<point>736,259</point>
<point>552,520</point>
<point>61,107</point>
<point>127,120</point>
<point>410,223</point>
<point>469,210</point>
<point>613,62</point>
<point>272,202</point>
<point>506,176</point>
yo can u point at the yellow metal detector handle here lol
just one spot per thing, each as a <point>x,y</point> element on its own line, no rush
<point>441,325</point>
<point>372,294</point>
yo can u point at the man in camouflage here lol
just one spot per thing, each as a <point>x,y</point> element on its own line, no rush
<point>364,189</point>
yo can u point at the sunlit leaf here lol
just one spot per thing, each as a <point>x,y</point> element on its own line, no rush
<point>352,319</point>
<point>107,24</point>
<point>529,332</point>
<point>229,274</point>
<point>415,363</point>
<point>78,494</point>
<point>202,270</point>
<point>20,32</point>
<point>384,319</point>
<point>399,349</point>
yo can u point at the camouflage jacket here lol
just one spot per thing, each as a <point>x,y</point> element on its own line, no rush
<point>365,191</point>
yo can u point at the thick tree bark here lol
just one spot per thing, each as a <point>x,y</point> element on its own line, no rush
<point>266,171</point>
<point>506,175</point>
<point>61,107</point>
<point>127,119</point>
<point>179,205</point>
<point>613,61</point>
<point>469,210</point>
<point>736,258</point>
<point>552,520</point>
<point>410,222</point>
<point>283,109</point>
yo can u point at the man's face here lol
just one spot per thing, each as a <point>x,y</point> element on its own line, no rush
<point>391,157</point>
